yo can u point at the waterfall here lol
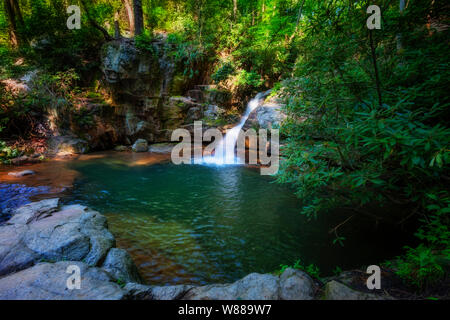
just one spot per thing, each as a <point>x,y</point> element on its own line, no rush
<point>224,153</point>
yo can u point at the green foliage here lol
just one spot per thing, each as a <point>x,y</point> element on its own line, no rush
<point>19,111</point>
<point>7,153</point>
<point>419,266</point>
<point>223,72</point>
<point>423,266</point>
<point>347,148</point>
<point>144,42</point>
<point>337,271</point>
<point>191,55</point>
<point>83,118</point>
<point>310,269</point>
<point>356,138</point>
<point>250,79</point>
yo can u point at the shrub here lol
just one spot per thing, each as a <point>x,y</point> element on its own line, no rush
<point>223,72</point>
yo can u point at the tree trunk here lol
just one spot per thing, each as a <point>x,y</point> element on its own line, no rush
<point>17,10</point>
<point>130,16</point>
<point>234,10</point>
<point>138,17</point>
<point>116,26</point>
<point>299,15</point>
<point>375,67</point>
<point>94,23</point>
<point>399,36</point>
<point>13,35</point>
<point>200,18</point>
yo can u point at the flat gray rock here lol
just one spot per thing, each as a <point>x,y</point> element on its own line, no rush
<point>34,211</point>
<point>48,281</point>
<point>37,232</point>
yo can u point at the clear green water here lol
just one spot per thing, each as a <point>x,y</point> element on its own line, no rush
<point>202,224</point>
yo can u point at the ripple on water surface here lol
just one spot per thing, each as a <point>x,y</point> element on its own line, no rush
<point>204,224</point>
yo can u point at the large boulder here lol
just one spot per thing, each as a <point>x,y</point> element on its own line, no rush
<point>38,232</point>
<point>48,281</point>
<point>266,116</point>
<point>252,287</point>
<point>335,290</point>
<point>120,266</point>
<point>140,145</point>
<point>296,285</point>
<point>290,285</point>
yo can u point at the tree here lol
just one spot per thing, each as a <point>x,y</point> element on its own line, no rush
<point>399,36</point>
<point>94,23</point>
<point>138,17</point>
<point>14,14</point>
<point>130,16</point>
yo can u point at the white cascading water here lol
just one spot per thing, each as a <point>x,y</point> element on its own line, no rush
<point>224,153</point>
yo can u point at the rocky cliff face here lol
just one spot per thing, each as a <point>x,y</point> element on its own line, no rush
<point>145,89</point>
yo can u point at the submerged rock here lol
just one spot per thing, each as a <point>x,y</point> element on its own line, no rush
<point>23,173</point>
<point>24,160</point>
<point>120,148</point>
<point>140,145</point>
<point>13,196</point>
